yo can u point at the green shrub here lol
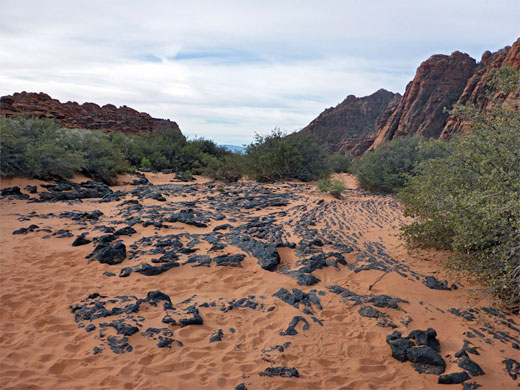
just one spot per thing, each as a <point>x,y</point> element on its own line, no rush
<point>145,163</point>
<point>334,187</point>
<point>228,168</point>
<point>104,159</point>
<point>37,148</point>
<point>167,149</point>
<point>279,156</point>
<point>387,168</point>
<point>469,201</point>
<point>340,163</point>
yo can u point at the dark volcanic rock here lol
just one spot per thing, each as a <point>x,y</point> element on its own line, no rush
<point>307,279</point>
<point>291,329</point>
<point>434,284</point>
<point>426,360</point>
<point>469,365</point>
<point>512,368</point>
<point>13,192</point>
<point>81,240</point>
<point>196,319</point>
<point>150,270</point>
<point>454,378</point>
<point>421,348</point>
<point>217,336</point>
<point>284,372</point>
<point>229,260</point>
<point>109,254</point>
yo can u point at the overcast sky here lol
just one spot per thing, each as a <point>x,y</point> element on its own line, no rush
<point>227,69</point>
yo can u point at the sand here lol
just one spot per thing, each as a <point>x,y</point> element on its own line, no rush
<point>42,347</point>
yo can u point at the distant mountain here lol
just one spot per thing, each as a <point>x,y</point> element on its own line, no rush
<point>90,116</point>
<point>234,148</point>
<point>360,124</point>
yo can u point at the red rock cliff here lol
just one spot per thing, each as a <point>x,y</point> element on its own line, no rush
<point>439,83</point>
<point>90,116</point>
<point>475,91</point>
<point>351,125</point>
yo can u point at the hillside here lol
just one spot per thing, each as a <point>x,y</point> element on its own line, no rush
<point>89,116</point>
<point>351,125</point>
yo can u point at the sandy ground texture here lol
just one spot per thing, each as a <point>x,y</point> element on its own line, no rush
<point>160,284</point>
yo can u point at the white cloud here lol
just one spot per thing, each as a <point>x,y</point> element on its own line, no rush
<point>226,69</point>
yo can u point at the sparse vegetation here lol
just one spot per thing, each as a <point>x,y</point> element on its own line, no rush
<point>333,187</point>
<point>469,201</point>
<point>389,167</point>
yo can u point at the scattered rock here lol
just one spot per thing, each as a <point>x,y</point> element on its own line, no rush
<point>284,372</point>
<point>454,378</point>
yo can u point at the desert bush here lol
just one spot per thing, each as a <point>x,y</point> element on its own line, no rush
<point>340,163</point>
<point>333,187</point>
<point>228,168</point>
<point>103,157</point>
<point>278,156</point>
<point>37,148</point>
<point>167,149</point>
<point>387,168</point>
<point>469,201</point>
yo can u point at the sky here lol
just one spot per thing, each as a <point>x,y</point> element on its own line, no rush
<point>226,70</point>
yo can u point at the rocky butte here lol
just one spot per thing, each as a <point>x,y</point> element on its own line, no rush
<point>107,118</point>
<point>360,124</point>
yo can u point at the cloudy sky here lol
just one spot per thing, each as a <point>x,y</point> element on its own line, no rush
<point>227,69</point>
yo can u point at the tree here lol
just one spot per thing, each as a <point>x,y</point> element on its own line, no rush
<point>279,156</point>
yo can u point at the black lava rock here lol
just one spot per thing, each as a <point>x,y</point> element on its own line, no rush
<point>291,329</point>
<point>81,240</point>
<point>435,284</point>
<point>109,254</point>
<point>217,336</point>
<point>284,372</point>
<point>512,368</point>
<point>307,279</point>
<point>469,365</point>
<point>456,377</point>
<point>421,348</point>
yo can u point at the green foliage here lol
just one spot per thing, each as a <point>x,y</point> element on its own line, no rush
<point>103,156</point>
<point>388,168</point>
<point>340,163</point>
<point>334,187</point>
<point>145,163</point>
<point>469,201</point>
<point>167,149</point>
<point>228,168</point>
<point>37,148</point>
<point>278,156</point>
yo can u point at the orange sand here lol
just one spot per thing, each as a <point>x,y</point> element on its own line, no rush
<point>41,347</point>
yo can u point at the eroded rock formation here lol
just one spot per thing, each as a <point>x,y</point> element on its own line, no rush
<point>89,116</point>
<point>351,126</point>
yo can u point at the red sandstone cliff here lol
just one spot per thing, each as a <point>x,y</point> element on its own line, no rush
<point>440,82</point>
<point>360,124</point>
<point>476,88</point>
<point>107,118</point>
<point>350,127</point>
